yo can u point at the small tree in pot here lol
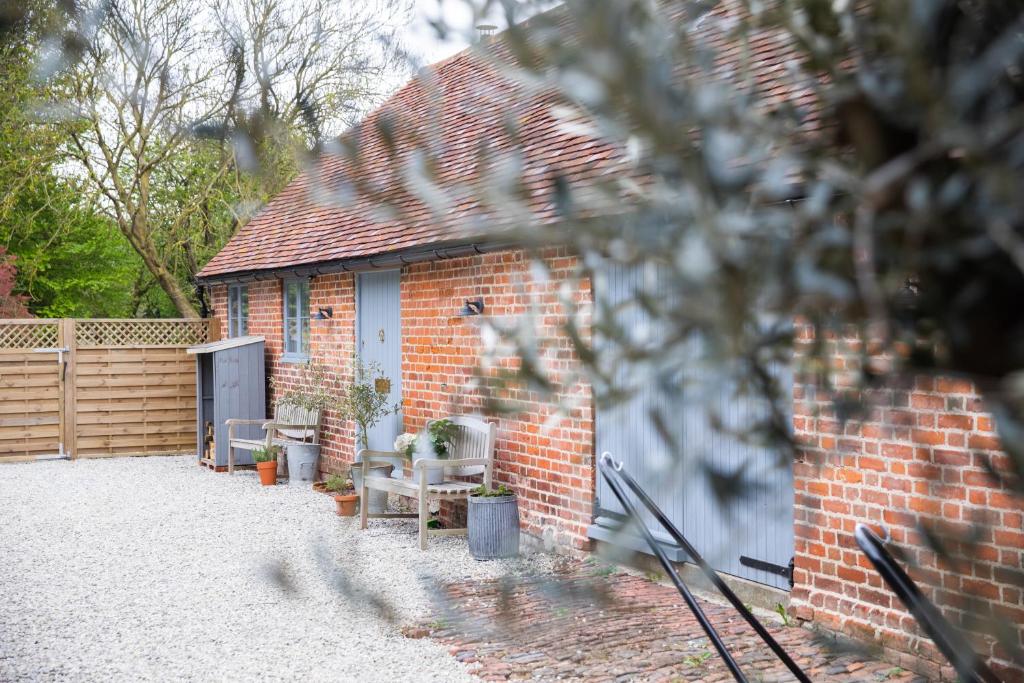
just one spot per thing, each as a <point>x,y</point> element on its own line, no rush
<point>493,523</point>
<point>365,400</point>
<point>313,390</point>
<point>362,401</point>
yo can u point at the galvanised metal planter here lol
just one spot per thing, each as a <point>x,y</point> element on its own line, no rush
<point>493,527</point>
<point>378,500</point>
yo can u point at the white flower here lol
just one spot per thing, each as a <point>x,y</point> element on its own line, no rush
<point>405,443</point>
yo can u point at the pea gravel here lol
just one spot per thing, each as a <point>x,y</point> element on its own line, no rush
<point>145,569</point>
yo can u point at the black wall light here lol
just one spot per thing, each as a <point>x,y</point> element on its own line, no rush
<point>325,313</point>
<point>472,307</point>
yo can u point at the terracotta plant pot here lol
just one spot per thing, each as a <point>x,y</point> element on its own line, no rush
<point>346,504</point>
<point>268,472</point>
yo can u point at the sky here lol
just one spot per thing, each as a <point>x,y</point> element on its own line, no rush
<point>422,41</point>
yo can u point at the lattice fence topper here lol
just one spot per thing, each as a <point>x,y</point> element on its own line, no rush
<point>29,335</point>
<point>113,333</point>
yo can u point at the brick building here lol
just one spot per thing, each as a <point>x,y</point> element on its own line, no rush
<point>350,258</point>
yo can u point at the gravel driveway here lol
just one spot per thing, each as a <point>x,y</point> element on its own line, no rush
<point>157,569</point>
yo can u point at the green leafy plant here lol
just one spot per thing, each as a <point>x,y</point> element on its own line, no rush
<point>484,492</point>
<point>361,402</point>
<point>314,388</point>
<point>697,659</point>
<point>337,484</point>
<point>266,453</point>
<point>442,433</point>
<point>782,613</point>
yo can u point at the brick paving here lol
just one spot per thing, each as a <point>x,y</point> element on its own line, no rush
<point>591,624</point>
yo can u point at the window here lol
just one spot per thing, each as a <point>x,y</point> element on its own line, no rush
<point>296,320</point>
<point>238,311</point>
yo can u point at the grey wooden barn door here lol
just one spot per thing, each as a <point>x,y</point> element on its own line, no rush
<point>379,331</point>
<point>758,526</point>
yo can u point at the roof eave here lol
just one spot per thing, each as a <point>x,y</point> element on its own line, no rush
<point>384,261</point>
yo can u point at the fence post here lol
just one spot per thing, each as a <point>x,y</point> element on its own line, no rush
<point>69,413</point>
<point>213,329</point>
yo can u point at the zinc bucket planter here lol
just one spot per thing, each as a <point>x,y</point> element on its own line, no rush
<point>493,527</point>
<point>302,459</point>
<point>377,500</point>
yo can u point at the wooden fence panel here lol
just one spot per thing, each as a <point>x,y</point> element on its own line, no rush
<point>124,387</point>
<point>31,390</point>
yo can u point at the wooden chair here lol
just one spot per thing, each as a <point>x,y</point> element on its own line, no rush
<point>290,424</point>
<point>472,453</point>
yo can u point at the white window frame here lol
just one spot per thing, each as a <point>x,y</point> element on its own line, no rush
<point>295,350</point>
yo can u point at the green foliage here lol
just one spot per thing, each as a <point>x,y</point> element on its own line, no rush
<point>484,492</point>
<point>266,454</point>
<point>337,483</point>
<point>441,433</point>
<point>698,659</point>
<point>313,389</point>
<point>783,614</point>
<point>72,260</point>
<point>359,400</point>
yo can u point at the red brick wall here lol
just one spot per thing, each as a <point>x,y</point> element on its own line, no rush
<point>550,466</point>
<point>915,458</point>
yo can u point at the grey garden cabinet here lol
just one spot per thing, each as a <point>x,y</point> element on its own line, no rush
<point>230,384</point>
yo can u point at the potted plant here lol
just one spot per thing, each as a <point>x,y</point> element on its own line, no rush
<point>344,494</point>
<point>440,435</point>
<point>266,463</point>
<point>492,523</point>
<point>313,390</point>
<point>363,401</point>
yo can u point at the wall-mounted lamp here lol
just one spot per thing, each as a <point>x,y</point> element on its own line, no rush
<point>325,313</point>
<point>472,307</point>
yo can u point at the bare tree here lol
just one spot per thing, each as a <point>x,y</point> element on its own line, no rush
<point>166,85</point>
<point>149,76</point>
<point>307,70</point>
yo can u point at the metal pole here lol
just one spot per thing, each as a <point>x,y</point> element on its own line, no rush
<point>607,470</point>
<point>709,572</point>
<point>969,666</point>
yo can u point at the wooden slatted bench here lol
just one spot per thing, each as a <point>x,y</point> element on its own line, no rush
<point>290,424</point>
<point>473,448</point>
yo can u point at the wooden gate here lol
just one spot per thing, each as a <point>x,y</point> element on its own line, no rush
<point>97,388</point>
<point>32,388</point>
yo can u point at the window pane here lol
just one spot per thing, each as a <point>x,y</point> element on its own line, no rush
<point>232,311</point>
<point>290,324</point>
<point>304,316</point>
<point>243,312</point>
<point>291,332</point>
<point>305,333</point>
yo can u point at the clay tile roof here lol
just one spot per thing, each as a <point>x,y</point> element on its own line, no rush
<point>455,117</point>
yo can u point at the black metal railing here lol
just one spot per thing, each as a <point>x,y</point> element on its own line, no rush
<point>616,475</point>
<point>951,643</point>
<point>969,666</point>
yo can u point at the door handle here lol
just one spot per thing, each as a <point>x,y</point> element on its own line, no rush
<point>380,335</point>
